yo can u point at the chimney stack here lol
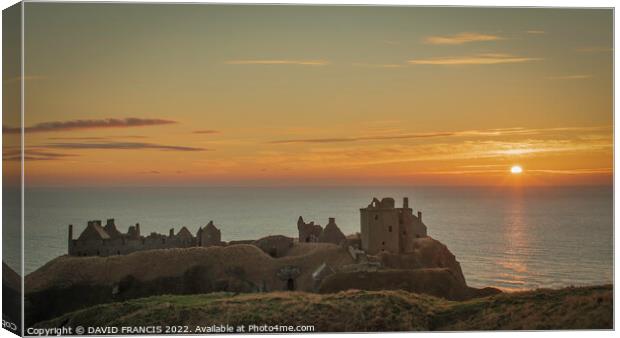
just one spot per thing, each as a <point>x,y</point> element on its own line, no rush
<point>138,229</point>
<point>406,202</point>
<point>420,216</point>
<point>332,220</point>
<point>172,232</point>
<point>70,232</point>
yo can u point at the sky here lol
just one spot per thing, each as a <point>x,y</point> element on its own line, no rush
<point>138,94</point>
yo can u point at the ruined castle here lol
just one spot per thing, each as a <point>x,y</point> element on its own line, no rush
<point>310,232</point>
<point>384,228</point>
<point>387,228</point>
<point>98,240</point>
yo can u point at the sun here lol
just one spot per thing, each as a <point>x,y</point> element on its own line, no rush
<point>516,169</point>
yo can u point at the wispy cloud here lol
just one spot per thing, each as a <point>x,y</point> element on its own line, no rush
<point>279,62</point>
<point>96,138</point>
<point>150,172</point>
<point>34,155</point>
<point>470,150</point>
<point>122,146</point>
<point>536,32</point>
<point>460,38</point>
<point>497,132</point>
<point>580,171</point>
<point>25,78</point>
<point>378,65</point>
<point>87,124</point>
<point>206,131</point>
<point>478,59</point>
<point>584,171</point>
<point>363,138</point>
<point>570,77</point>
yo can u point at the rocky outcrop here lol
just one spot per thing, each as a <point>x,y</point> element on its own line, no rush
<point>427,253</point>
<point>431,268</point>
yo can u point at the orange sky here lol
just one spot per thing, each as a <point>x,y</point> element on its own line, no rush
<point>293,95</point>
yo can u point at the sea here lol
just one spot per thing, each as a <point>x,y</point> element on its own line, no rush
<point>513,238</point>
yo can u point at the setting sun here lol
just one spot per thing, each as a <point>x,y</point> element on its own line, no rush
<point>516,169</point>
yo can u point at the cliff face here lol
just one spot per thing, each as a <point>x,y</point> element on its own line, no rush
<point>430,268</point>
<point>427,253</point>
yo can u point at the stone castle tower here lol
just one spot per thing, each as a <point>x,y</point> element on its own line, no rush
<point>387,228</point>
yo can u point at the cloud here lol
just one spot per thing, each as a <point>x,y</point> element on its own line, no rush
<point>34,155</point>
<point>18,79</point>
<point>570,77</point>
<point>581,171</point>
<point>496,132</point>
<point>460,38</point>
<point>122,146</point>
<point>370,65</point>
<point>87,124</point>
<point>586,171</point>
<point>279,62</point>
<point>536,32</point>
<point>478,59</point>
<point>150,172</point>
<point>95,138</point>
<point>206,131</point>
<point>364,138</point>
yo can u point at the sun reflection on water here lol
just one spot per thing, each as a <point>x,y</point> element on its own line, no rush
<point>512,266</point>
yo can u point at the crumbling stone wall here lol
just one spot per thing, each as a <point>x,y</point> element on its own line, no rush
<point>308,232</point>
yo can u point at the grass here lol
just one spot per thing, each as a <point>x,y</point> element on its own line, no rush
<point>361,311</point>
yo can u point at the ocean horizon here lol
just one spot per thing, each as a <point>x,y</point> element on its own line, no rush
<point>506,237</point>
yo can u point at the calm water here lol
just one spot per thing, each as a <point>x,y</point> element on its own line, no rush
<point>512,239</point>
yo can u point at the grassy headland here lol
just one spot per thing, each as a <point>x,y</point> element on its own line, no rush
<point>360,311</point>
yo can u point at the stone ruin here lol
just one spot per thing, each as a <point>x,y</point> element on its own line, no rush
<point>314,233</point>
<point>98,240</point>
<point>384,228</point>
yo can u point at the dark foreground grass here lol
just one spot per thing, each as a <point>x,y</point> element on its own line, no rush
<point>361,311</point>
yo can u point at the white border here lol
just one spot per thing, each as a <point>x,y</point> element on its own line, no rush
<point>480,3</point>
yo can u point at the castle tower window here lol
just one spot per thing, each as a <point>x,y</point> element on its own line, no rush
<point>382,243</point>
<point>390,228</point>
<point>376,217</point>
